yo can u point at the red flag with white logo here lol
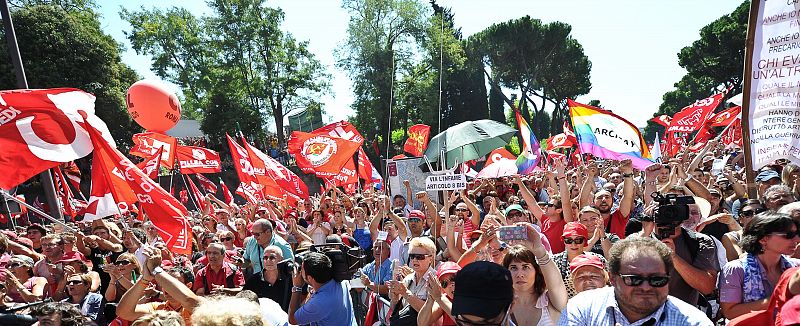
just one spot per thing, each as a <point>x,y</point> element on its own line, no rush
<point>694,116</point>
<point>570,134</point>
<point>64,193</point>
<point>40,129</point>
<point>725,118</point>
<point>559,141</point>
<point>248,184</point>
<point>321,153</point>
<point>733,136</point>
<point>663,120</point>
<point>226,193</point>
<point>193,159</point>
<point>499,155</point>
<point>166,213</point>
<point>283,177</point>
<point>146,144</point>
<point>207,184</point>
<point>417,139</point>
<point>150,165</point>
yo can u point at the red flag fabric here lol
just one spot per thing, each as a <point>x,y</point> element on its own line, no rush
<point>146,144</point>
<point>64,193</point>
<point>198,196</point>
<point>724,118</point>
<point>150,165</point>
<point>248,184</point>
<point>101,201</point>
<point>570,134</point>
<point>559,141</point>
<point>184,196</point>
<point>40,129</point>
<point>271,188</point>
<point>207,184</point>
<point>226,193</point>
<point>498,155</point>
<point>733,136</point>
<point>399,157</point>
<point>417,139</point>
<point>73,174</point>
<point>321,153</point>
<point>193,159</point>
<point>286,179</point>
<point>694,116</point>
<point>556,156</point>
<point>704,135</point>
<point>166,213</point>
<point>663,120</point>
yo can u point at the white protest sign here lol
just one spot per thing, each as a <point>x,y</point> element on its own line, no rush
<point>446,182</point>
<point>717,167</point>
<point>774,84</point>
<point>382,235</point>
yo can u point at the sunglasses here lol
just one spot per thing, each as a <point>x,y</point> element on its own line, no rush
<point>575,241</point>
<point>418,256</point>
<point>271,257</point>
<point>447,281</point>
<point>462,210</point>
<point>516,214</point>
<point>788,235</point>
<point>74,282</point>
<point>122,263</point>
<point>637,280</point>
<point>226,239</point>
<point>752,212</point>
<point>14,265</point>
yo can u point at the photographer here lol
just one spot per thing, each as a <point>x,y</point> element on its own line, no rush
<point>694,254</point>
<point>330,304</point>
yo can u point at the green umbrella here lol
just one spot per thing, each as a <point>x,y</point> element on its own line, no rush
<point>469,140</point>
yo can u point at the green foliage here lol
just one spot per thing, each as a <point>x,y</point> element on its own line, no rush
<point>398,137</point>
<point>514,146</point>
<point>716,58</point>
<point>62,45</point>
<point>233,65</point>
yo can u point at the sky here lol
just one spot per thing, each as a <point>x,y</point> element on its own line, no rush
<point>632,44</point>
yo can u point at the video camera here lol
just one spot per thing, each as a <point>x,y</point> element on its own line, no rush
<point>345,261</point>
<point>672,210</point>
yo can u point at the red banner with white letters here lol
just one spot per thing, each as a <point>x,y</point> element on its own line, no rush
<point>146,144</point>
<point>193,159</point>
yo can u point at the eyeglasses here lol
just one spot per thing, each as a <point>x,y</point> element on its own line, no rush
<point>447,281</point>
<point>14,265</point>
<point>271,257</point>
<point>575,240</point>
<point>226,239</point>
<point>418,256</point>
<point>122,263</point>
<point>788,235</point>
<point>547,205</point>
<point>751,212</point>
<point>49,245</point>
<point>416,220</point>
<point>462,210</point>
<point>74,282</point>
<point>637,280</point>
<point>515,214</point>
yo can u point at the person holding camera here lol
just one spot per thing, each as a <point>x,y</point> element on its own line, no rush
<point>272,282</point>
<point>330,304</point>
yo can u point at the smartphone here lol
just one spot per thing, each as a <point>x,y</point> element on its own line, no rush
<point>512,232</point>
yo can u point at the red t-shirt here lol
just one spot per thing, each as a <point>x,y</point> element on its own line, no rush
<point>207,276</point>
<point>554,231</point>
<point>779,297</point>
<point>618,223</point>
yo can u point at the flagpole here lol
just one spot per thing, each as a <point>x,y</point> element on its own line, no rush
<point>190,192</point>
<point>22,82</point>
<point>752,191</point>
<point>35,210</point>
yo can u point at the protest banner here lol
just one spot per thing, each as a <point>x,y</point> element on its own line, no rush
<point>446,182</point>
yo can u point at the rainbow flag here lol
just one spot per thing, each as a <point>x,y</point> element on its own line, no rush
<point>607,135</point>
<point>531,152</point>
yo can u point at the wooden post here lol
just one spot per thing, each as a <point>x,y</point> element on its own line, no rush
<point>752,190</point>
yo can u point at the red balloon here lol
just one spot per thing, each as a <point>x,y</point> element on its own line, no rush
<point>152,106</point>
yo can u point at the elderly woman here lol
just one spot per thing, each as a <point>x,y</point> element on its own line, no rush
<point>22,286</point>
<point>539,292</point>
<point>228,240</point>
<point>576,240</point>
<point>124,272</point>
<point>745,284</point>
<point>600,242</point>
<point>410,293</point>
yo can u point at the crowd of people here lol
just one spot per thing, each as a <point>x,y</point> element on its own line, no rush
<point>679,243</point>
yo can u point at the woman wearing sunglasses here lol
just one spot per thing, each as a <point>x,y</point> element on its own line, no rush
<point>22,286</point>
<point>730,240</point>
<point>409,294</point>
<point>745,284</point>
<point>576,240</point>
<point>228,240</point>
<point>124,272</point>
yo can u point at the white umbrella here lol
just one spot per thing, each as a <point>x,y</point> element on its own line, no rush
<point>736,99</point>
<point>499,169</point>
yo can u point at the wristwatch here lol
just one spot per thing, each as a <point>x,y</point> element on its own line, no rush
<point>297,289</point>
<point>157,270</point>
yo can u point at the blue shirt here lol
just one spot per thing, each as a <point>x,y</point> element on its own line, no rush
<point>599,307</point>
<point>255,253</point>
<point>384,274</point>
<point>92,306</point>
<point>363,237</point>
<point>330,305</point>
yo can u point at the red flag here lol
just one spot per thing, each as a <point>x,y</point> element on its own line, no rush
<point>271,188</point>
<point>733,136</point>
<point>166,213</point>
<point>73,174</point>
<point>556,156</point>
<point>226,193</point>
<point>285,178</point>
<point>725,118</point>
<point>40,129</point>
<point>399,157</point>
<point>146,144</point>
<point>198,196</point>
<point>417,139</point>
<point>499,155</point>
<point>704,135</point>
<point>663,120</point>
<point>321,153</point>
<point>209,186</point>
<point>110,193</point>
<point>150,165</point>
<point>64,193</point>
<point>559,141</point>
<point>570,134</point>
<point>694,116</point>
<point>184,196</point>
<point>192,159</point>
<point>248,184</point>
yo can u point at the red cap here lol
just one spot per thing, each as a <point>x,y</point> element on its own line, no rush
<point>575,229</point>
<point>447,267</point>
<point>585,260</point>
<point>416,214</point>
<point>790,313</point>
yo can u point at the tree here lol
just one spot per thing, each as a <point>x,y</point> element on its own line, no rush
<point>714,61</point>
<point>238,54</point>
<point>63,45</point>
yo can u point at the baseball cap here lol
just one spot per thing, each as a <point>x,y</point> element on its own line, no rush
<point>447,267</point>
<point>37,226</point>
<point>575,229</point>
<point>585,260</point>
<point>28,261</point>
<point>766,175</point>
<point>483,289</point>
<point>516,207</point>
<point>416,214</point>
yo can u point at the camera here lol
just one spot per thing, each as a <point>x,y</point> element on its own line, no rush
<point>672,210</point>
<point>345,261</point>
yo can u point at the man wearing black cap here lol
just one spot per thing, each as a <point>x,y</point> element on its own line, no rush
<point>483,294</point>
<point>35,232</point>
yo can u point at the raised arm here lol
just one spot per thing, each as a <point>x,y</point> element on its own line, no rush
<point>628,190</point>
<point>527,196</point>
<point>588,186</point>
<point>563,191</point>
<point>475,217</point>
